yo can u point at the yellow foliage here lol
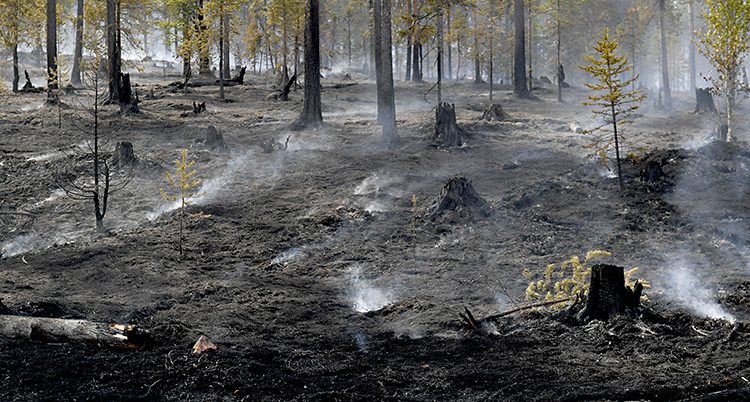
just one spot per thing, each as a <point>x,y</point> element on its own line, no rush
<point>570,278</point>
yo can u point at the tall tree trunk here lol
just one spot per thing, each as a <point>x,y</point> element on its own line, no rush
<point>226,33</point>
<point>666,91</point>
<point>416,57</point>
<point>408,45</point>
<point>312,115</point>
<point>691,51</point>
<point>113,51</point>
<point>531,50</point>
<point>204,55</point>
<point>386,101</point>
<point>376,24</point>
<point>16,73</point>
<point>75,74</point>
<point>349,40</point>
<point>449,74</point>
<point>477,67</point>
<point>52,72</point>
<point>520,88</point>
<point>222,46</point>
<point>440,44</point>
<point>559,61</point>
<point>373,41</point>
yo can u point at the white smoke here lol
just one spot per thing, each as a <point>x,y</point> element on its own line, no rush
<point>686,288</point>
<point>365,297</point>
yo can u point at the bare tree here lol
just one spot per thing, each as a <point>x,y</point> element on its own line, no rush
<point>52,78</point>
<point>104,174</point>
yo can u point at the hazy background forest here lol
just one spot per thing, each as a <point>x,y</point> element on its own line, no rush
<point>266,35</point>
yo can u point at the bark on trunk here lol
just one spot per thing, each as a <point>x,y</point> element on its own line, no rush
<point>520,87</point>
<point>16,73</point>
<point>226,32</point>
<point>447,133</point>
<point>75,74</point>
<point>386,98</point>
<point>113,50</point>
<point>665,88</point>
<point>311,116</point>
<point>52,73</point>
<point>608,296</point>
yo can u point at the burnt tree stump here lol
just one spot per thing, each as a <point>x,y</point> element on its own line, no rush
<point>447,132</point>
<point>199,108</point>
<point>494,112</point>
<point>214,139</point>
<point>652,172</point>
<point>608,296</point>
<point>28,86</point>
<point>128,100</point>
<point>124,155</point>
<point>459,195</point>
<point>704,101</point>
<point>284,95</point>
<point>721,132</point>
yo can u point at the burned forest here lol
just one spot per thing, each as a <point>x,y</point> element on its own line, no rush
<point>407,200</point>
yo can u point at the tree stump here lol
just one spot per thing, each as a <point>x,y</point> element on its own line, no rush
<point>124,155</point>
<point>447,133</point>
<point>721,131</point>
<point>239,79</point>
<point>284,96</point>
<point>652,172</point>
<point>608,296</point>
<point>704,101</point>
<point>28,86</point>
<point>494,112</point>
<point>128,101</point>
<point>459,195</point>
<point>198,108</point>
<point>214,139</point>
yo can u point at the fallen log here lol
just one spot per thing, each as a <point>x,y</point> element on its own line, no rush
<point>71,330</point>
<point>473,324</point>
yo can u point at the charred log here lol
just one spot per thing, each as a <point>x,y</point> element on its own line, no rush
<point>608,296</point>
<point>704,101</point>
<point>199,108</point>
<point>70,330</point>
<point>447,132</point>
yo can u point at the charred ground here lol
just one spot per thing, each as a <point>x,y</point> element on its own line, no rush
<point>321,279</point>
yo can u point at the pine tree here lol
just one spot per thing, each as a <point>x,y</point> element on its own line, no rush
<point>611,99</point>
<point>185,183</point>
<point>724,42</point>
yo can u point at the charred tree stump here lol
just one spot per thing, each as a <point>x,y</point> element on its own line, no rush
<point>214,139</point>
<point>199,108</point>
<point>608,296</point>
<point>127,100</point>
<point>447,132</point>
<point>239,79</point>
<point>71,330</point>
<point>704,101</point>
<point>124,155</point>
<point>284,95</point>
<point>459,195</point>
<point>28,86</point>
<point>494,112</point>
<point>721,132</point>
<point>652,172</point>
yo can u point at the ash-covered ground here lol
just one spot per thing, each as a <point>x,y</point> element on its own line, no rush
<point>320,278</point>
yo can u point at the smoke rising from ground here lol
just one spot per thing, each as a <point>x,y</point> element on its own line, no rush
<point>689,290</point>
<point>363,295</point>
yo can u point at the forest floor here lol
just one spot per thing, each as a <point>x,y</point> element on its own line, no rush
<point>320,279</point>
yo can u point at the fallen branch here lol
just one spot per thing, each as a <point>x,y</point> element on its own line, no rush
<point>71,330</point>
<point>473,324</point>
<point>16,213</point>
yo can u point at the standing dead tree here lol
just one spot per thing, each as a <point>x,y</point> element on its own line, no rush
<point>95,175</point>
